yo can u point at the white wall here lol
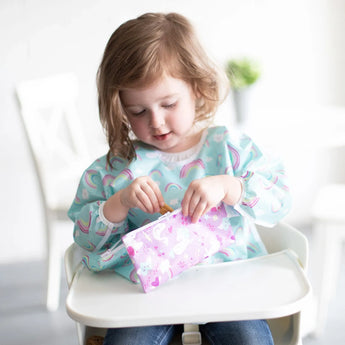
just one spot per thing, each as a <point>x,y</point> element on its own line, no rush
<point>299,42</point>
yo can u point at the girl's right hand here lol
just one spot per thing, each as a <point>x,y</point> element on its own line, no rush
<point>142,193</point>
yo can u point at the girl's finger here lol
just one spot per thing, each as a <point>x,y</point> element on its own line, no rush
<point>185,203</point>
<point>143,201</point>
<point>148,198</point>
<point>158,199</point>
<point>199,211</point>
<point>193,204</point>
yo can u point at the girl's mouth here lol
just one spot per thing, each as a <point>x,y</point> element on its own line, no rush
<point>162,137</point>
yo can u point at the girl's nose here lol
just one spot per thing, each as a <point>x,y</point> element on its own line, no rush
<point>157,119</point>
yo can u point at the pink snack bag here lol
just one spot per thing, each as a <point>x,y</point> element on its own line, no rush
<point>164,248</point>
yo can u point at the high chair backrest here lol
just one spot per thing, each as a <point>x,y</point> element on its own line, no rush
<point>55,135</point>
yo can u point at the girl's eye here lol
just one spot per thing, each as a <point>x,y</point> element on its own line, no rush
<point>171,105</point>
<point>137,113</point>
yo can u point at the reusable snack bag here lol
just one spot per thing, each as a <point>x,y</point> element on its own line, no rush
<point>163,249</point>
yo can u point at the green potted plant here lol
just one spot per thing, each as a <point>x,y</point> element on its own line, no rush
<point>242,74</point>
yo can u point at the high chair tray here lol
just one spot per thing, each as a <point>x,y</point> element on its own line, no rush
<point>265,287</point>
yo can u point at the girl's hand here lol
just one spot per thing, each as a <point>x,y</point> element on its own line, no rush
<point>205,193</point>
<point>142,193</point>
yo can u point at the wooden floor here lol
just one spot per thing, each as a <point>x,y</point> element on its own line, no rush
<point>25,321</point>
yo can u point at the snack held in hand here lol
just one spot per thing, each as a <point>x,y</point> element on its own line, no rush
<point>165,209</point>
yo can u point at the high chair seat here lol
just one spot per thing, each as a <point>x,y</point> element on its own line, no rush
<point>268,287</point>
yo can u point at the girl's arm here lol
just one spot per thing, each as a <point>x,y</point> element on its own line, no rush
<point>255,185</point>
<point>266,197</point>
<point>100,217</point>
<point>92,230</point>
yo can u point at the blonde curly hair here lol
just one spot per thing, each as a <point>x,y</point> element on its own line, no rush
<point>138,53</point>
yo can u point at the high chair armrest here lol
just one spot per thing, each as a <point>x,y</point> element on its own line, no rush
<point>283,236</point>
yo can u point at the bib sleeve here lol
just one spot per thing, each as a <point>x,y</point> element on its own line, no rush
<point>92,231</point>
<point>265,198</point>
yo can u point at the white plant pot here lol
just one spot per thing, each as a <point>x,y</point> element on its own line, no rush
<point>241,100</point>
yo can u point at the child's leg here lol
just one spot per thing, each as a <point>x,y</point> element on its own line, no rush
<point>151,335</point>
<point>253,332</point>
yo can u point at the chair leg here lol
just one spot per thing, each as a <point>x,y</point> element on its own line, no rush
<point>54,271</point>
<point>286,330</point>
<point>86,333</point>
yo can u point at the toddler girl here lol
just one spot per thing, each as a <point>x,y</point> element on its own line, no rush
<point>158,93</point>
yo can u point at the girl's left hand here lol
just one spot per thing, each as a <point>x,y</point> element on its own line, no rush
<point>205,193</point>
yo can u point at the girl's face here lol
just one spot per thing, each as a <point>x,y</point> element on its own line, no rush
<point>162,114</point>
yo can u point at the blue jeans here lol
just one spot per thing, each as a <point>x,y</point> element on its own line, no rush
<point>255,332</point>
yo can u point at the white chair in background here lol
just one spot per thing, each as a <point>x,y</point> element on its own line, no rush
<point>60,155</point>
<point>328,238</point>
<point>272,287</point>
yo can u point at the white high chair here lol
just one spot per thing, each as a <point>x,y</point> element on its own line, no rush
<point>272,287</point>
<point>59,153</point>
